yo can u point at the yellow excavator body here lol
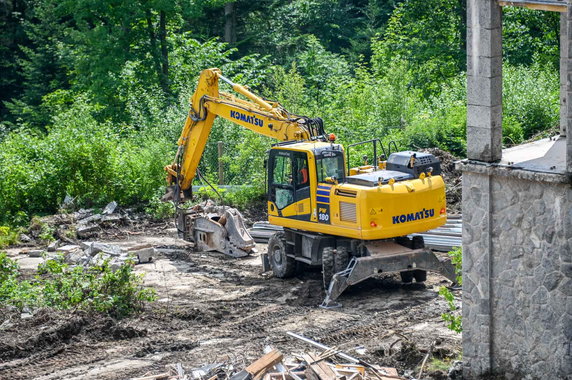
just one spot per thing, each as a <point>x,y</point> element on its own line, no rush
<point>367,211</point>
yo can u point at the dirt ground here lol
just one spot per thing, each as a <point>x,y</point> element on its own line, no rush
<point>213,308</point>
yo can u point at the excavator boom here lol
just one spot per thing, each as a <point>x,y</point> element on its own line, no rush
<point>259,115</point>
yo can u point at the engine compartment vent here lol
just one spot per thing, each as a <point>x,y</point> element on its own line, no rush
<point>348,212</point>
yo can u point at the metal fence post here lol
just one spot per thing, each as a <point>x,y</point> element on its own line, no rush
<point>220,164</point>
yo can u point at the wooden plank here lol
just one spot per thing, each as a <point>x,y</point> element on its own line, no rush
<point>551,7</point>
<point>321,369</point>
<point>260,366</point>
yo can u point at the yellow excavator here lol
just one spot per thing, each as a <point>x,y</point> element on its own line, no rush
<point>352,222</point>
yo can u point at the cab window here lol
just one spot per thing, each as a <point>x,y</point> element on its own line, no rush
<point>330,164</point>
<point>281,184</point>
<point>282,174</point>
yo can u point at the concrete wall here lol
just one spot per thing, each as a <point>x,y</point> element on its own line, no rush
<point>517,273</point>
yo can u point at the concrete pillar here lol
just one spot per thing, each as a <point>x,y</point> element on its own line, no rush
<point>484,80</point>
<point>566,54</point>
<point>477,252</point>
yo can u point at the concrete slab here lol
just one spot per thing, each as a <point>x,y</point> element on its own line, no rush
<point>546,155</point>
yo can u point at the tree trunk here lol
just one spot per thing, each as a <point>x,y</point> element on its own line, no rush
<point>164,53</point>
<point>230,22</point>
<point>463,34</point>
<point>153,43</point>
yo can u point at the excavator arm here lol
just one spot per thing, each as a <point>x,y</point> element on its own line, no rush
<point>257,114</point>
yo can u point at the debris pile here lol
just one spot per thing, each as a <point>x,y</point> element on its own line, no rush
<point>452,178</point>
<point>94,253</point>
<point>330,364</point>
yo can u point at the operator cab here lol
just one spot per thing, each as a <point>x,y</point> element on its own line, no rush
<point>295,170</point>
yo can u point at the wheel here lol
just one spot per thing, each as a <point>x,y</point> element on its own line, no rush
<point>282,265</point>
<point>406,276</point>
<point>341,259</point>
<point>420,275</point>
<point>327,266</point>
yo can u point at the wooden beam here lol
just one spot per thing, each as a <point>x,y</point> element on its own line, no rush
<point>541,6</point>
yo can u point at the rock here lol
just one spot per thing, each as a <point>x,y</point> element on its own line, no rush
<point>76,258</point>
<point>111,218</point>
<point>99,259</point>
<point>111,206</point>
<point>117,262</point>
<point>68,248</point>
<point>52,256</point>
<point>110,249</point>
<point>68,202</point>
<point>90,219</point>
<point>35,253</point>
<point>144,255</point>
<point>86,230</point>
<point>53,246</point>
<point>82,213</point>
<point>25,238</point>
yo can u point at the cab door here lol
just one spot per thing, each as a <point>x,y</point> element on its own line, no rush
<point>281,190</point>
<point>302,186</point>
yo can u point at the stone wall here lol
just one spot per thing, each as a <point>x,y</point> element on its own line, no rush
<point>517,274</point>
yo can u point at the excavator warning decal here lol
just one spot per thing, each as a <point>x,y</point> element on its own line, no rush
<point>323,200</point>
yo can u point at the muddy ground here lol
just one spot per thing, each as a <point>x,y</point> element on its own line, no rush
<point>213,308</point>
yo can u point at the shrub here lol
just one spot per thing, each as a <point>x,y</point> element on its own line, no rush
<point>531,98</point>
<point>8,236</point>
<point>90,161</point>
<point>452,318</point>
<point>57,285</point>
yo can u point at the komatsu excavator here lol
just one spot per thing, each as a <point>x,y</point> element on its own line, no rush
<point>352,222</point>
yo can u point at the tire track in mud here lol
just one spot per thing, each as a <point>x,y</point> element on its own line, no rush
<point>34,366</point>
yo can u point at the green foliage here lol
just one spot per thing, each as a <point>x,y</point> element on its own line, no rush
<point>96,92</point>
<point>531,100</point>
<point>158,209</point>
<point>94,162</point>
<point>60,286</point>
<point>430,36</point>
<point>530,36</point>
<point>453,319</point>
<point>8,236</point>
<point>245,196</point>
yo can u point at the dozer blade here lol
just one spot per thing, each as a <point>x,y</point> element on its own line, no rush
<point>220,232</point>
<point>385,257</point>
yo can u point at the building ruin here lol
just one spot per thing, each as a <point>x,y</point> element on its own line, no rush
<point>517,218</point>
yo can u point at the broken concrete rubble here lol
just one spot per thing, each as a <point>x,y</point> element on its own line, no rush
<point>87,230</point>
<point>36,253</point>
<point>97,253</point>
<point>53,246</point>
<point>110,208</point>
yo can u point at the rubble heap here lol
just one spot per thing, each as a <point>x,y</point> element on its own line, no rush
<point>94,253</point>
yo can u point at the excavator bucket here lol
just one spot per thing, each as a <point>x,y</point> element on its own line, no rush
<point>221,231</point>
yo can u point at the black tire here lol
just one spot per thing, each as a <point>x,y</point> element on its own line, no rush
<point>282,265</point>
<point>406,276</point>
<point>420,275</point>
<point>341,259</point>
<point>327,266</point>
